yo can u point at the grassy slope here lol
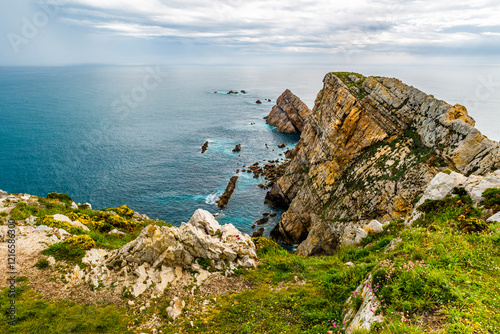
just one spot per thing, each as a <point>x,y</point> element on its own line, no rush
<point>439,276</point>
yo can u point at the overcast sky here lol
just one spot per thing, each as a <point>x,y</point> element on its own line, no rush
<point>54,32</point>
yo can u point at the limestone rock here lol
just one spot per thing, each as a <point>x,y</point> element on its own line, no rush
<point>368,150</point>
<point>175,308</point>
<point>51,260</point>
<point>202,237</point>
<point>375,226</point>
<point>76,224</point>
<point>363,317</point>
<point>289,113</point>
<point>441,186</point>
<point>115,231</point>
<point>475,185</point>
<point>494,218</point>
<point>74,206</point>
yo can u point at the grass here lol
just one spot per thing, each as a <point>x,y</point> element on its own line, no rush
<point>443,275</point>
<point>36,315</point>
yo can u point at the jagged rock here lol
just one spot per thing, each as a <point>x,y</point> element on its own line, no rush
<point>494,218</point>
<point>3,194</point>
<point>204,147</point>
<point>224,199</point>
<point>367,153</point>
<point>258,233</point>
<point>76,224</point>
<point>237,148</point>
<point>202,237</point>
<point>363,317</point>
<point>281,145</point>
<point>258,102</point>
<point>74,206</point>
<point>175,308</point>
<point>289,113</point>
<point>262,221</point>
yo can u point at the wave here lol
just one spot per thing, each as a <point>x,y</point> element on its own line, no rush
<point>212,198</point>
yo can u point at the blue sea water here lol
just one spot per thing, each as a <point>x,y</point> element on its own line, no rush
<point>113,135</point>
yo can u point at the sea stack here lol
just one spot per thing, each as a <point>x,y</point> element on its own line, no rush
<point>289,113</point>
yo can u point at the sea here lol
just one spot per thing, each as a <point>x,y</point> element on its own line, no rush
<point>114,135</point>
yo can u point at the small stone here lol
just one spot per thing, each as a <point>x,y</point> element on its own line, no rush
<point>175,308</point>
<point>349,264</point>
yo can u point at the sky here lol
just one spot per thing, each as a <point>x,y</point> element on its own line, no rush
<point>63,32</point>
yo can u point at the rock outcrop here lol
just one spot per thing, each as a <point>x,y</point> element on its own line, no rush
<point>368,151</point>
<point>224,198</point>
<point>163,256</point>
<point>289,113</point>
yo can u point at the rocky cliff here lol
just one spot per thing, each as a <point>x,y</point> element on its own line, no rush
<point>368,151</point>
<point>289,113</point>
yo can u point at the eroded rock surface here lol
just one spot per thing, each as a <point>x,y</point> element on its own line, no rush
<point>289,113</point>
<point>368,151</point>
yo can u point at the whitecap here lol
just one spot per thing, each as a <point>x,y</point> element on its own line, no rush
<point>212,198</point>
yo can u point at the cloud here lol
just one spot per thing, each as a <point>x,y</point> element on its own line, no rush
<point>292,26</point>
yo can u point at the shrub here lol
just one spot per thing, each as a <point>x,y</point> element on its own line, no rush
<point>42,264</point>
<point>51,222</point>
<point>492,199</point>
<point>61,197</point>
<point>83,242</point>
<point>264,245</point>
<point>469,225</point>
<point>23,211</point>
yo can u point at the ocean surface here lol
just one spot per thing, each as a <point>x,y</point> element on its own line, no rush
<point>114,135</point>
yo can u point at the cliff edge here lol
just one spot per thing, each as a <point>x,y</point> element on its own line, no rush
<point>368,151</point>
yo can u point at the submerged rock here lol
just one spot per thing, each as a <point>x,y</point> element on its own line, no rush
<point>289,113</point>
<point>224,199</point>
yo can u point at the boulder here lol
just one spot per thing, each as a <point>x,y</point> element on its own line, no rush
<point>494,218</point>
<point>237,148</point>
<point>258,102</point>
<point>375,226</point>
<point>441,186</point>
<point>76,224</point>
<point>175,308</point>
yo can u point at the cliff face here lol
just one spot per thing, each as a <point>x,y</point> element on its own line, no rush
<point>289,113</point>
<point>368,151</point>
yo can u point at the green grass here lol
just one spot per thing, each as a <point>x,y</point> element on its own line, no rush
<point>36,315</point>
<point>443,268</point>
